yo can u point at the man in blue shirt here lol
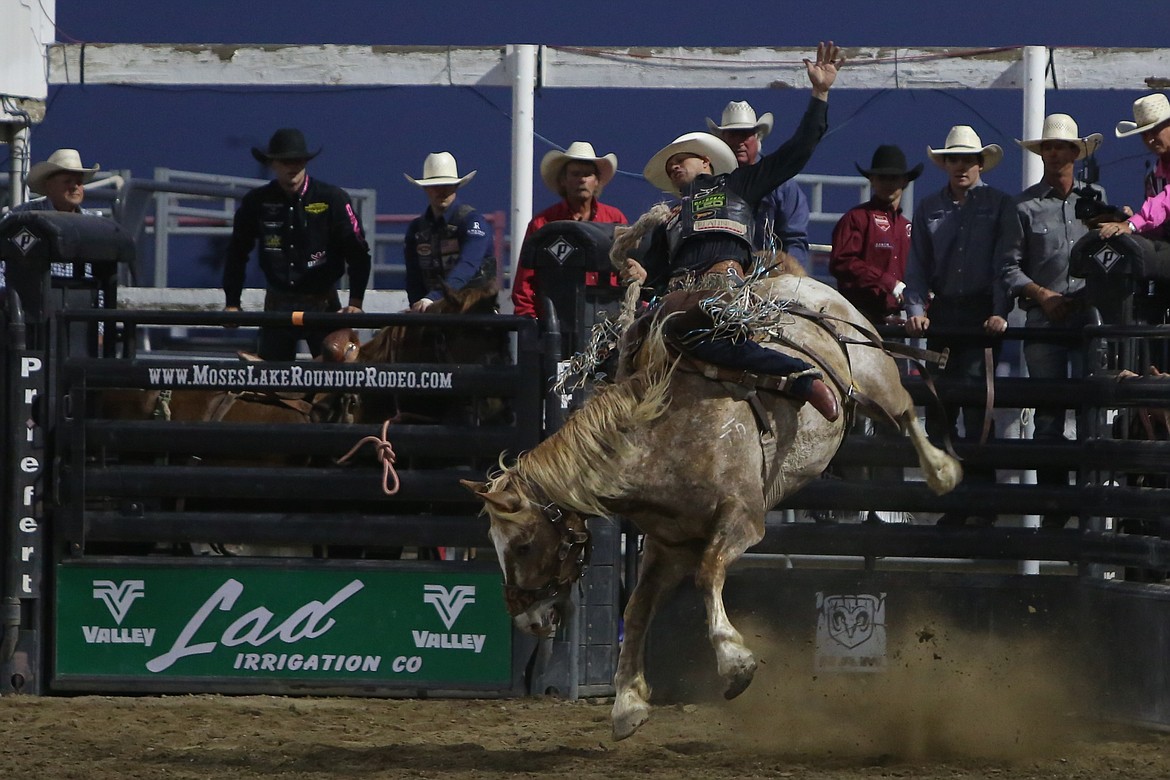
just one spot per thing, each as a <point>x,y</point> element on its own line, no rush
<point>449,244</point>
<point>782,216</point>
<point>1037,271</point>
<point>961,239</point>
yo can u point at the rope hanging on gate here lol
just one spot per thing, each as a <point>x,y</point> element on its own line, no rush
<point>385,456</point>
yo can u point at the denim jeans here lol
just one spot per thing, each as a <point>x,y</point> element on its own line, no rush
<point>1048,360</point>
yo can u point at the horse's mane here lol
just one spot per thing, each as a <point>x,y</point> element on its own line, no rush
<point>580,466</point>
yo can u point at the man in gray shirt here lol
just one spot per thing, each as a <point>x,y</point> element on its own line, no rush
<point>961,238</point>
<point>1037,270</point>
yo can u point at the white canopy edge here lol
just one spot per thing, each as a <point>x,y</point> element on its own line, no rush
<point>573,66</point>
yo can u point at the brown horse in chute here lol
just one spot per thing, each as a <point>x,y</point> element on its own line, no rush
<point>695,468</point>
<point>427,342</point>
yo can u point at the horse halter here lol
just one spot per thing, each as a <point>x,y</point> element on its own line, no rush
<point>573,553</point>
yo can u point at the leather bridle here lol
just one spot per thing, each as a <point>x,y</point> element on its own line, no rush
<point>573,552</point>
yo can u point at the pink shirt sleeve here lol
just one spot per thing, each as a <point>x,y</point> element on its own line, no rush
<point>1155,211</point>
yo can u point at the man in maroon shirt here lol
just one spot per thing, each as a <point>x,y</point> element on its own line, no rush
<point>578,175</point>
<point>872,241</point>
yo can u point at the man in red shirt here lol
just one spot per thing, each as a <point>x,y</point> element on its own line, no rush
<point>578,176</point>
<point>872,241</point>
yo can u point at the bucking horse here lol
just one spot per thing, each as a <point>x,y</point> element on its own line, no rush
<point>695,463</point>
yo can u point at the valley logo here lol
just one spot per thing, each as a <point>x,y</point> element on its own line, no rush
<point>449,604</point>
<point>118,598</point>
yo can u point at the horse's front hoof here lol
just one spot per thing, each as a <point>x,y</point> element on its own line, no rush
<point>739,682</point>
<point>629,721</point>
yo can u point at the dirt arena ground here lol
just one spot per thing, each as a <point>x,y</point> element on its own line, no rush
<point>179,737</point>
<point>948,706</point>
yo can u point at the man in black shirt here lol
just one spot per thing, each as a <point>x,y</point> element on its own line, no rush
<point>309,237</point>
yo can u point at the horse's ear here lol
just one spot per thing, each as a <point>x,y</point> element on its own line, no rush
<point>502,500</point>
<point>479,488</point>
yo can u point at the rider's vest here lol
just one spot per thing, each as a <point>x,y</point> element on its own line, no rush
<point>438,246</point>
<point>711,209</point>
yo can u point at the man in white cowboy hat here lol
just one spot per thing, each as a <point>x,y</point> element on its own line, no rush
<point>1151,115</point>
<point>871,241</point>
<point>782,216</point>
<point>309,237</point>
<point>710,233</point>
<point>578,175</point>
<point>61,179</point>
<point>962,237</point>
<point>448,244</point>
<point>1037,270</point>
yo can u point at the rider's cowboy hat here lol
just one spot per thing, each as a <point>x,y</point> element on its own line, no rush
<point>287,143</point>
<point>440,169</point>
<point>1062,127</point>
<point>739,115</point>
<point>964,140</point>
<point>699,144</point>
<point>554,162</point>
<point>1149,111</point>
<point>889,160</point>
<point>60,161</point>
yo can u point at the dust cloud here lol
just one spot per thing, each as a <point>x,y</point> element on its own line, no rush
<point>945,694</point>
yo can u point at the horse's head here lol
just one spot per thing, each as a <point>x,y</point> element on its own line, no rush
<point>333,407</point>
<point>542,550</point>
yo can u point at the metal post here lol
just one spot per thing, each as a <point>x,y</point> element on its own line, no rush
<point>523,67</point>
<point>1035,58</point>
<point>18,163</point>
<point>162,223</point>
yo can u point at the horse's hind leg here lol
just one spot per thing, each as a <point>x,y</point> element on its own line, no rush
<point>739,529</point>
<point>661,571</point>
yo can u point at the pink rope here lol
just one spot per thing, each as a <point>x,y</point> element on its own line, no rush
<point>385,456</point>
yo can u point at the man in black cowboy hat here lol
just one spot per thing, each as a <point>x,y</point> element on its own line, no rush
<point>871,241</point>
<point>309,238</point>
<point>870,244</point>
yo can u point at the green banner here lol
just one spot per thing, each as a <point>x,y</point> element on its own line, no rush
<point>397,627</point>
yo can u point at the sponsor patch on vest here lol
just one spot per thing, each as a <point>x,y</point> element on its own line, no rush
<point>715,200</point>
<point>882,221</point>
<point>317,208</point>
<point>272,242</point>
<point>722,225</point>
<point>424,250</point>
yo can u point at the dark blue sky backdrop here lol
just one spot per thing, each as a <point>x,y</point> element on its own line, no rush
<point>372,135</point>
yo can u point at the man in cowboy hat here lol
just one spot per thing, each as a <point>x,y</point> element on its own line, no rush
<point>962,236</point>
<point>61,179</point>
<point>871,241</point>
<point>448,245</point>
<point>868,259</point>
<point>782,216</point>
<point>309,237</point>
<point>1037,269</point>
<point>577,175</point>
<point>710,234</point>
<point>1151,115</point>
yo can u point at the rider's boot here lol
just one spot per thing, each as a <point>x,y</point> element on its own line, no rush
<point>808,387</point>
